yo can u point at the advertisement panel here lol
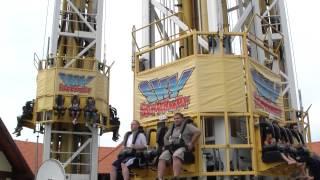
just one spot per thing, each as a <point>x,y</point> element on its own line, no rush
<point>69,82</point>
<point>75,83</point>
<point>266,91</point>
<point>198,84</point>
<point>164,90</point>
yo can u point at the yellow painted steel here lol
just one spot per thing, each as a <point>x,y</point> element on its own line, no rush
<point>204,15</point>
<point>49,85</point>
<point>198,112</point>
<point>225,16</point>
<point>72,71</point>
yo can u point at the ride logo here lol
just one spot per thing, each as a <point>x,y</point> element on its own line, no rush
<point>162,95</point>
<point>266,94</point>
<point>75,83</point>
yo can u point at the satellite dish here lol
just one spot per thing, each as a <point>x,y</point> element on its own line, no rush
<point>51,169</point>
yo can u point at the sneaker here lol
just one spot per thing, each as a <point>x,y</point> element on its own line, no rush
<point>18,134</point>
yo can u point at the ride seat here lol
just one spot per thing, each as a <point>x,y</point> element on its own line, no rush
<point>270,153</point>
<point>151,154</point>
<point>189,157</point>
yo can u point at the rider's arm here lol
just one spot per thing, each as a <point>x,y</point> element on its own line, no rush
<point>195,137</point>
<point>195,134</point>
<point>166,138</point>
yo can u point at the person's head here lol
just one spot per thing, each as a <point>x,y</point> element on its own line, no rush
<point>75,99</point>
<point>269,136</point>
<point>135,125</point>
<point>90,100</point>
<point>178,119</point>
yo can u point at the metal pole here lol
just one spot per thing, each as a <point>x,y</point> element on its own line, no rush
<point>36,167</point>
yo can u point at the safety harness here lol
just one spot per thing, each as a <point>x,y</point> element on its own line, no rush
<point>134,138</point>
<point>126,152</point>
<point>174,146</point>
<point>188,155</point>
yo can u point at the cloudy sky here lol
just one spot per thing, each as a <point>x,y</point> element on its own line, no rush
<point>23,34</point>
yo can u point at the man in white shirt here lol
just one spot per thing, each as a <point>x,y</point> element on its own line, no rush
<point>134,140</point>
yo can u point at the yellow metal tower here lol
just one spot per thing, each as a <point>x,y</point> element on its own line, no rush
<point>72,102</point>
<point>226,64</point>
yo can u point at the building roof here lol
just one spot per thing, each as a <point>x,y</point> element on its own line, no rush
<point>20,168</point>
<point>28,150</point>
<point>315,147</point>
<point>105,158</point>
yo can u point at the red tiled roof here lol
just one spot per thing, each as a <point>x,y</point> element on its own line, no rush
<point>315,147</point>
<point>28,150</point>
<point>105,158</point>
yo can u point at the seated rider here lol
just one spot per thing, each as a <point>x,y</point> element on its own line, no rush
<point>19,127</point>
<point>59,108</point>
<point>114,119</point>
<point>270,140</point>
<point>74,108</point>
<point>27,110</point>
<point>298,137</point>
<point>26,115</point>
<point>90,111</point>
<point>134,140</point>
<point>178,140</point>
<point>313,164</point>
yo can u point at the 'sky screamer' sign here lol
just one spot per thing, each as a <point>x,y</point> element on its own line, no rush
<point>71,83</point>
<point>163,94</point>
<point>266,87</point>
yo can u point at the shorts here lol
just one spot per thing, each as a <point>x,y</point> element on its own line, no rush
<point>179,153</point>
<point>130,162</point>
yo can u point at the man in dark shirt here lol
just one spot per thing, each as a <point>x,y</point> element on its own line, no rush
<point>190,135</point>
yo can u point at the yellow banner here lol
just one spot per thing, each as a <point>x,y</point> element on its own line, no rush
<point>46,82</point>
<point>266,91</point>
<point>198,84</point>
<point>69,82</point>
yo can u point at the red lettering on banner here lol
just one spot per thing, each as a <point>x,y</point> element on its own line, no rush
<point>164,106</point>
<point>268,106</point>
<point>78,89</point>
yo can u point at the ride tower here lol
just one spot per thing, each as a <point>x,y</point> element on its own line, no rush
<point>225,64</point>
<point>72,104</point>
